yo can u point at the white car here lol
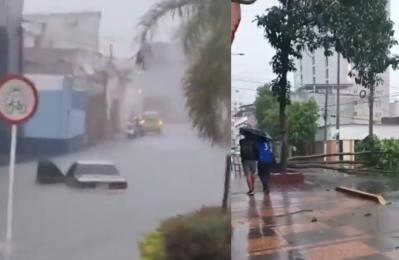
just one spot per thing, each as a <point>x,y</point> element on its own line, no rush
<point>95,175</point>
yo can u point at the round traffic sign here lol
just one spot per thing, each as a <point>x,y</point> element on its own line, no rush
<point>363,93</point>
<point>18,99</point>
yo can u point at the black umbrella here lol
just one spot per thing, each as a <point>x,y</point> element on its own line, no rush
<point>255,132</point>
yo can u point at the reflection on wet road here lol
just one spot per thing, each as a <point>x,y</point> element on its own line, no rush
<point>167,175</point>
<point>313,221</point>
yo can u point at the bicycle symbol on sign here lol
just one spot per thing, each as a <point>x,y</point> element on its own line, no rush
<point>14,102</point>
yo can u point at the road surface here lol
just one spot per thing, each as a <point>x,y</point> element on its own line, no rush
<point>168,175</point>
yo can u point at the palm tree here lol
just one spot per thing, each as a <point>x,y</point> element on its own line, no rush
<point>205,34</point>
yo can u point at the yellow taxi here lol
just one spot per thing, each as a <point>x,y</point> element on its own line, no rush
<point>152,122</point>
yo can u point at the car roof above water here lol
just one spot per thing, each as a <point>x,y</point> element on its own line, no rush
<point>96,168</point>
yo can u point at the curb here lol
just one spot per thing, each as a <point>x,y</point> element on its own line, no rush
<point>366,195</point>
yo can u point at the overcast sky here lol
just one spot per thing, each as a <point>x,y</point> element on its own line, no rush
<point>250,70</point>
<point>119,18</point>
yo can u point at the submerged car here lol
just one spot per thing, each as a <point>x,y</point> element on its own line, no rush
<point>152,122</point>
<point>95,175</point>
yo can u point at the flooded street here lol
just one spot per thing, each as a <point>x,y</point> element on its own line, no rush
<point>167,175</point>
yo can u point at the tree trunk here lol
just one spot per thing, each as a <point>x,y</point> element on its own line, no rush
<point>283,91</point>
<point>284,137</point>
<point>371,111</point>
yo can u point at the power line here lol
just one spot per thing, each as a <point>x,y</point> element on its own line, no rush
<point>250,81</point>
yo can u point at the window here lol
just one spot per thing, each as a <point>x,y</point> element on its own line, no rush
<point>314,80</point>
<point>314,70</point>
<point>327,74</point>
<point>313,60</point>
<point>326,62</point>
<point>355,113</point>
<point>355,102</point>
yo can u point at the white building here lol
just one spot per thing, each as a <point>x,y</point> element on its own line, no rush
<point>394,109</point>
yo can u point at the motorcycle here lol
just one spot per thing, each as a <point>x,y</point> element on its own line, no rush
<point>134,128</point>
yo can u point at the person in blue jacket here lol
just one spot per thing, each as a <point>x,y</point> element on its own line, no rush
<point>265,162</point>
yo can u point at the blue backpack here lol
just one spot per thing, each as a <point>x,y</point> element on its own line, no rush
<point>266,153</point>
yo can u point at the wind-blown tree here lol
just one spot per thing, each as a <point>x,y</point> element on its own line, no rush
<point>362,32</point>
<point>205,34</point>
<point>286,27</point>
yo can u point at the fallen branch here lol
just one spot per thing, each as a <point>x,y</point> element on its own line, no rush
<point>328,155</point>
<point>340,169</point>
<point>331,162</point>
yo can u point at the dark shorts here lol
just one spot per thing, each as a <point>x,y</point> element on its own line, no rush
<point>264,169</point>
<point>249,167</point>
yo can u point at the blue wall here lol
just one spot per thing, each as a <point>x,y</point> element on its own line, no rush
<point>60,115</point>
<point>48,120</point>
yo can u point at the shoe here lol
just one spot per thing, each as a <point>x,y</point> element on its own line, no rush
<point>266,191</point>
<point>250,193</point>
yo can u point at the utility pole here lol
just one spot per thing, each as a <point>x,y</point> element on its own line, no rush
<point>325,119</point>
<point>326,111</point>
<point>338,104</point>
<point>371,111</point>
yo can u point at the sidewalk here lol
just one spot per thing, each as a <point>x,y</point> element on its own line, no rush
<point>311,221</point>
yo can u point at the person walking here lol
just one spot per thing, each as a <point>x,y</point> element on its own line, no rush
<point>248,153</point>
<point>265,163</point>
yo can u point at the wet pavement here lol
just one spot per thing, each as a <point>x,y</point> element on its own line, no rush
<point>312,221</point>
<point>167,175</point>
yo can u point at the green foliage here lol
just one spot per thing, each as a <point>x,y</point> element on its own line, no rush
<point>286,28</point>
<point>384,154</point>
<point>302,118</point>
<point>205,234</point>
<point>302,126</point>
<point>153,248</point>
<point>369,144</point>
<point>267,112</point>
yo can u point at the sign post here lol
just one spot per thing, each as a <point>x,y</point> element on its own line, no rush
<point>18,103</point>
